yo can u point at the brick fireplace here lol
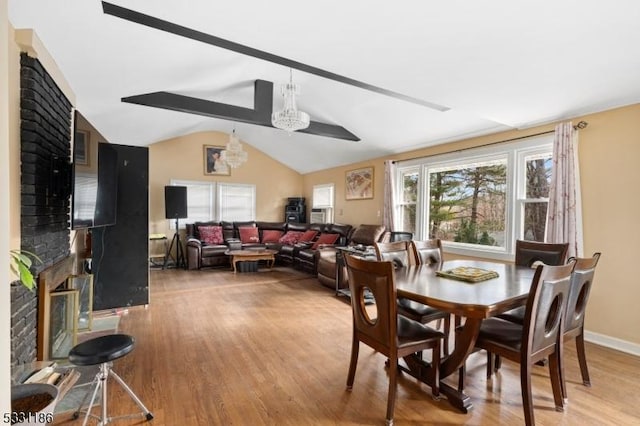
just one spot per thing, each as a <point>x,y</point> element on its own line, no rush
<point>45,133</point>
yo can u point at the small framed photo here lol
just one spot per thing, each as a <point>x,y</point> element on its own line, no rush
<point>213,162</point>
<point>81,148</point>
<point>359,184</point>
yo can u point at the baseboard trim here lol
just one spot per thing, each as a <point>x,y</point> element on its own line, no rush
<point>612,342</point>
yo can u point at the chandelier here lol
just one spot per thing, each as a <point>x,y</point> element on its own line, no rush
<point>290,118</point>
<point>233,155</point>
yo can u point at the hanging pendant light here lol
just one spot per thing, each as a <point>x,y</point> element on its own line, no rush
<point>290,118</point>
<point>233,155</point>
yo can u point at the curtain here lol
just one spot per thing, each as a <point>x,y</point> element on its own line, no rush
<point>389,200</point>
<point>564,216</point>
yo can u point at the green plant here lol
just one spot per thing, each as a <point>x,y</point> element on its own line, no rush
<point>21,261</point>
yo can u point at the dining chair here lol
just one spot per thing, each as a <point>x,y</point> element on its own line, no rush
<point>529,253</point>
<point>384,330</point>
<point>426,252</point>
<point>581,282</point>
<point>539,336</point>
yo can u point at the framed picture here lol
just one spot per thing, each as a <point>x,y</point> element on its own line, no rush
<point>213,163</point>
<point>359,184</point>
<point>81,148</point>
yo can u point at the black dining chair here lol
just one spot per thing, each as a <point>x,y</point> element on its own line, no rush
<point>426,252</point>
<point>581,282</point>
<point>530,253</point>
<point>539,337</point>
<point>384,330</point>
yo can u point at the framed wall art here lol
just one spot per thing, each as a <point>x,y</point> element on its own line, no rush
<point>359,184</point>
<point>213,163</point>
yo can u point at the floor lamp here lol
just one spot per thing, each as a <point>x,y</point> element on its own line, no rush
<point>175,203</point>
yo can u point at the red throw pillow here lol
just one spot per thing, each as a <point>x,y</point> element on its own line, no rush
<point>211,234</point>
<point>271,235</point>
<point>308,236</point>
<point>249,234</point>
<point>290,238</point>
<point>325,239</point>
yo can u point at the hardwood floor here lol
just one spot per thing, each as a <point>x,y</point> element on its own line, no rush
<point>273,347</point>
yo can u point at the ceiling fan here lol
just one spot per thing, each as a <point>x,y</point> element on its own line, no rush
<point>263,94</point>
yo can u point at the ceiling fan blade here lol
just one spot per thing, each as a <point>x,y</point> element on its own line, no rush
<point>259,115</point>
<point>170,27</point>
<point>330,131</point>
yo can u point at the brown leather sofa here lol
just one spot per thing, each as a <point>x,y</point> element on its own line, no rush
<point>365,235</point>
<point>299,255</point>
<point>306,257</point>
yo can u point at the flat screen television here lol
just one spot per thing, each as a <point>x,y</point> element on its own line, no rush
<point>94,187</point>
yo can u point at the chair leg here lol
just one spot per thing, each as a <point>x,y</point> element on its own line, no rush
<point>393,382</point>
<point>556,380</point>
<point>355,347</point>
<point>582,359</point>
<point>497,363</point>
<point>527,399</point>
<point>489,364</point>
<point>435,365</point>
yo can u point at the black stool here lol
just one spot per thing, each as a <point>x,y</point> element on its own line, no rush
<point>103,350</point>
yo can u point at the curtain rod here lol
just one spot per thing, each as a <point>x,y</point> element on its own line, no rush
<point>580,125</point>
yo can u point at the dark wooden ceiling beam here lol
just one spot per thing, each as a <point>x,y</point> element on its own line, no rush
<point>170,27</point>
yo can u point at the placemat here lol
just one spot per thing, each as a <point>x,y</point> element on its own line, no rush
<point>468,274</point>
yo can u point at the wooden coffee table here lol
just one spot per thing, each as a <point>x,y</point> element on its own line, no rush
<point>251,255</point>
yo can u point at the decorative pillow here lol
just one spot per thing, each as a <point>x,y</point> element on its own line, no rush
<point>325,239</point>
<point>271,235</point>
<point>249,234</point>
<point>290,238</point>
<point>308,236</point>
<point>211,234</point>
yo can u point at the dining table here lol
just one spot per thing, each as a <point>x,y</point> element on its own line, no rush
<point>473,301</point>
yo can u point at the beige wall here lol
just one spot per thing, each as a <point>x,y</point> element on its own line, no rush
<point>183,158</point>
<point>5,206</point>
<point>609,151</point>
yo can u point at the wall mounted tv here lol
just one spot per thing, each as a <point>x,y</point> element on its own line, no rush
<point>95,187</point>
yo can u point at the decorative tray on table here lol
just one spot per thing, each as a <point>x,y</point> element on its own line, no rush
<point>468,274</point>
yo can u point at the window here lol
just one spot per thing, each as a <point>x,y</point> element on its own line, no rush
<point>407,204</point>
<point>236,202</point>
<point>207,201</point>
<point>478,201</point>
<point>323,196</point>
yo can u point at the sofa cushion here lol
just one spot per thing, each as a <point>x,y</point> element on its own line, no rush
<point>308,236</point>
<point>367,235</point>
<point>249,234</point>
<point>211,234</point>
<point>325,239</point>
<point>271,236</point>
<point>290,238</point>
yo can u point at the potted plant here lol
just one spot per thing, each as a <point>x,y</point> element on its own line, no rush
<point>21,261</point>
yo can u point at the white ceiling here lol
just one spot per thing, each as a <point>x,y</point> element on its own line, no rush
<point>498,64</point>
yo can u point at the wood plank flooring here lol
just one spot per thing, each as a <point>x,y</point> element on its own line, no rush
<point>273,347</point>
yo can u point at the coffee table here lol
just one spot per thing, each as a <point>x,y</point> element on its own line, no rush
<point>251,255</point>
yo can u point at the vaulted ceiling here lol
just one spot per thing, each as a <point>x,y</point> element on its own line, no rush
<point>460,68</point>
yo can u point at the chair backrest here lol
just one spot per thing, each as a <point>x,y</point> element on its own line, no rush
<point>396,252</point>
<point>528,252</point>
<point>427,252</point>
<point>376,277</point>
<point>545,307</point>
<point>581,281</point>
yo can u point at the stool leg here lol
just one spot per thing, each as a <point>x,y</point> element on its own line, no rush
<point>105,368</point>
<point>133,396</point>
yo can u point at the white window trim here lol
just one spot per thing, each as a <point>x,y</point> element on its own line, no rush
<point>514,152</point>
<point>329,207</point>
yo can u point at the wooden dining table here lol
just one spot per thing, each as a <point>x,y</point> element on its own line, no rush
<point>473,301</point>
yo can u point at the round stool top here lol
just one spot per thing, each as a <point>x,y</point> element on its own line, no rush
<point>101,349</point>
